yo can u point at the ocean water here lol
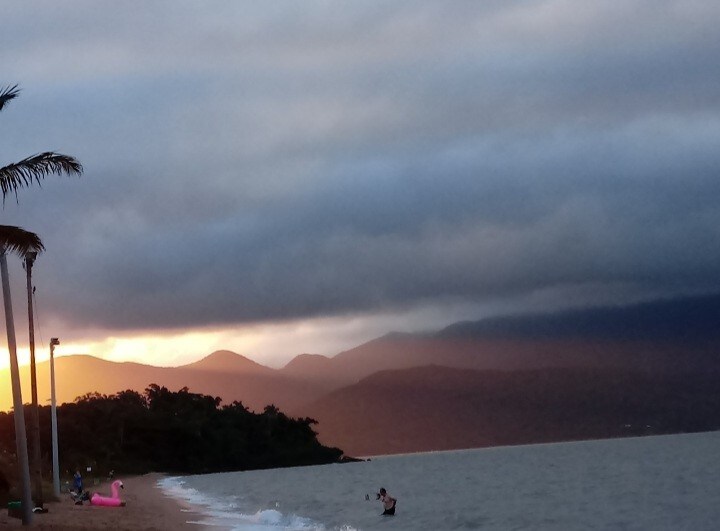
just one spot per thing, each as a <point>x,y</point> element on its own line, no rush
<point>665,482</point>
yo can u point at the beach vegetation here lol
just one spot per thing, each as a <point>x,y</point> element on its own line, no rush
<point>174,431</point>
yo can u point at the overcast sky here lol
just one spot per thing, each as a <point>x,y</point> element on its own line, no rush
<point>285,177</point>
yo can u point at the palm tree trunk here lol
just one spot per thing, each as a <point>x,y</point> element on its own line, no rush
<point>18,413</point>
<point>35,453</point>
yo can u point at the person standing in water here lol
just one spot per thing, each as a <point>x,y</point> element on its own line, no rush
<point>388,502</point>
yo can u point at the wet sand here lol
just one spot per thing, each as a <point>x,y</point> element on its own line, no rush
<point>147,508</point>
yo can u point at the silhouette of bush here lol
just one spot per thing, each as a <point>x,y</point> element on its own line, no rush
<point>166,431</point>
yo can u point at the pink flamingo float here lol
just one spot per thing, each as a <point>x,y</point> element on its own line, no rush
<point>112,501</point>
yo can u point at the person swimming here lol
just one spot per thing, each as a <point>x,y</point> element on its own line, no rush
<point>388,502</point>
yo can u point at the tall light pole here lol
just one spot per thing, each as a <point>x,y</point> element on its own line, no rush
<point>53,419</point>
<point>35,454</point>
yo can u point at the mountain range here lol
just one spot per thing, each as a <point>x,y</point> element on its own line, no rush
<point>600,372</point>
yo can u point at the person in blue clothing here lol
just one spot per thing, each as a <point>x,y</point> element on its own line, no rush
<point>77,493</point>
<point>78,482</point>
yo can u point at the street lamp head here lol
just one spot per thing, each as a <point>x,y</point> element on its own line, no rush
<point>54,341</point>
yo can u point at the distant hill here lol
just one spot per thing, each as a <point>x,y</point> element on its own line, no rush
<point>224,374</point>
<point>661,336</point>
<point>686,320</point>
<point>227,361</point>
<point>380,396</point>
<point>438,408</point>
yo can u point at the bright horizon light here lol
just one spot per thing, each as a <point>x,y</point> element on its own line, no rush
<point>270,344</point>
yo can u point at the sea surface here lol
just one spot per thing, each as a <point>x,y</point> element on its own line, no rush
<point>654,483</point>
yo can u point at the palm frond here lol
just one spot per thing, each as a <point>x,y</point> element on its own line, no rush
<point>36,168</point>
<point>7,94</point>
<point>20,241</point>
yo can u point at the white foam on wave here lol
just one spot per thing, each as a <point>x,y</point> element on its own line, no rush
<point>224,513</point>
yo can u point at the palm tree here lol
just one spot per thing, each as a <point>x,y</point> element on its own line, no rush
<point>35,451</point>
<point>33,168</point>
<point>17,240</point>
<point>13,177</point>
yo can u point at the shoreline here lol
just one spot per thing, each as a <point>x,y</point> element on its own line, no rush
<point>148,508</point>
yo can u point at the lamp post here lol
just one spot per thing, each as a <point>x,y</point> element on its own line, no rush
<point>35,456</point>
<point>53,418</point>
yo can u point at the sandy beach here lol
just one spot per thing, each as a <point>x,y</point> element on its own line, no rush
<point>147,509</point>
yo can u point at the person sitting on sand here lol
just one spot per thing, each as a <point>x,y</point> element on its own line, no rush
<point>80,497</point>
<point>388,502</point>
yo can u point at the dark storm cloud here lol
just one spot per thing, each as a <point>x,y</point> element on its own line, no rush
<point>246,163</point>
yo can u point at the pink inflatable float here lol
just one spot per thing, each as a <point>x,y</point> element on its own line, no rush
<point>112,501</point>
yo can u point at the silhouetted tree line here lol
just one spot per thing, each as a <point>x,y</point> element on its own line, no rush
<point>166,431</point>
